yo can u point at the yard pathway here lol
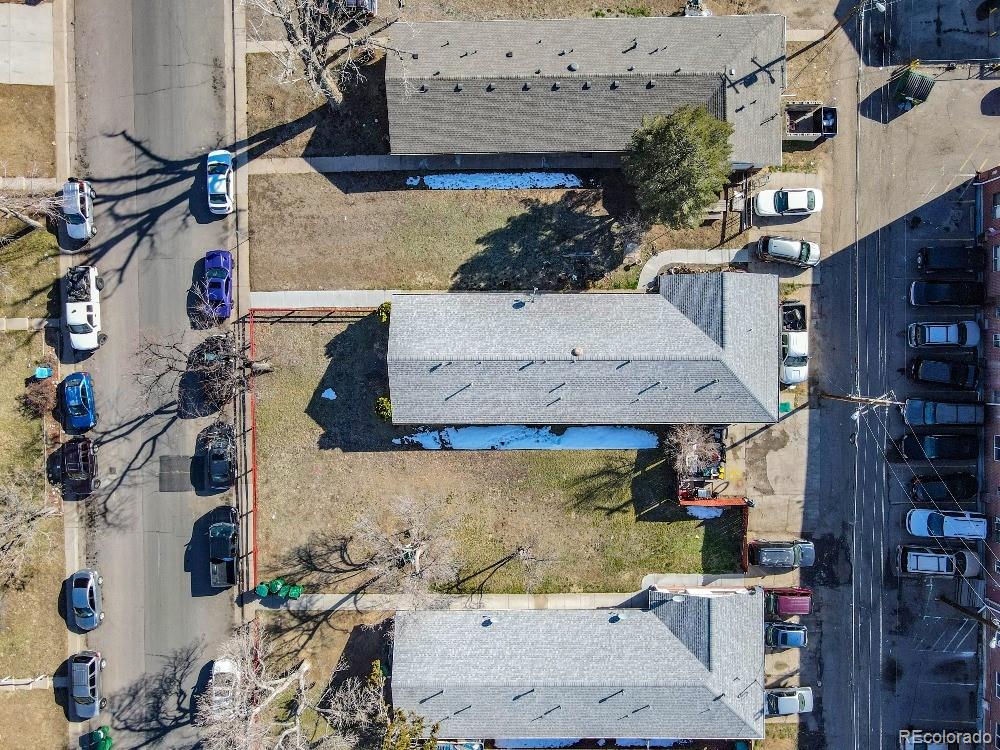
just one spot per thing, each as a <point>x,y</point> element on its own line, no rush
<point>409,163</point>
<point>26,324</point>
<point>714,257</point>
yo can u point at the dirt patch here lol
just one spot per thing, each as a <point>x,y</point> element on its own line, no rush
<point>27,131</point>
<point>604,517</point>
<point>287,119</point>
<point>39,721</point>
<point>29,270</point>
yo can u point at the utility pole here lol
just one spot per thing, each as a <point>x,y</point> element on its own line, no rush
<point>991,623</point>
<point>877,4</point>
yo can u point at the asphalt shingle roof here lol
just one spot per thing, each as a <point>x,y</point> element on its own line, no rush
<point>691,668</point>
<point>581,85</point>
<point>704,351</point>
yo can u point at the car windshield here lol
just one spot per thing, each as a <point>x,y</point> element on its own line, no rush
<point>83,611</point>
<point>217,168</point>
<point>79,328</point>
<point>781,201</point>
<point>84,700</point>
<point>76,409</point>
<point>796,361</point>
<point>217,197</point>
<point>935,524</point>
<point>810,200</point>
<point>216,273</point>
<point>772,704</point>
<point>75,219</point>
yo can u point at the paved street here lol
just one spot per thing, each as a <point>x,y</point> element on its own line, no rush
<point>151,102</point>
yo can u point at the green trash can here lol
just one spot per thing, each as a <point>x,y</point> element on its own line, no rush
<point>283,591</point>
<point>294,592</point>
<point>276,584</point>
<point>261,589</point>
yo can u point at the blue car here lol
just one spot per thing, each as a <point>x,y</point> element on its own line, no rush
<point>78,407</point>
<point>782,635</point>
<point>219,282</point>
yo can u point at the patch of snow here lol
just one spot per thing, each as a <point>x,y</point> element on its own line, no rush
<point>703,512</point>
<point>535,743</point>
<point>632,742</point>
<point>497,180</point>
<point>519,437</point>
<point>329,394</point>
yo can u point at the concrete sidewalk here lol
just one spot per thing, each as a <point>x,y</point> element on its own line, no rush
<point>413,163</point>
<point>391,602</point>
<point>26,324</point>
<point>26,55</point>
<point>719,256</point>
<point>31,184</point>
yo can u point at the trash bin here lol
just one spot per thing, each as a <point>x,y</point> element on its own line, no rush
<point>283,591</point>
<point>294,592</point>
<point>41,372</point>
<point>261,589</point>
<point>276,584</point>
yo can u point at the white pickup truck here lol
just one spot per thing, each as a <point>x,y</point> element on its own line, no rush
<point>83,308</point>
<point>794,344</point>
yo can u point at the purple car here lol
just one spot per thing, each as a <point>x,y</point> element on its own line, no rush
<point>219,282</point>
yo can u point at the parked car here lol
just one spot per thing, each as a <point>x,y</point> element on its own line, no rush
<point>932,260</point>
<point>83,308</point>
<point>787,602</point>
<point>799,553</point>
<point>78,408</point>
<point>782,635</point>
<point>220,457</point>
<point>786,250</point>
<point>223,547</point>
<point>794,344</point>
<point>218,283</point>
<point>920,413</point>
<point>85,684</point>
<point>932,488</point>
<point>940,447</point>
<point>79,467</point>
<point>914,560</point>
<point>960,333</point>
<point>946,293</point>
<point>788,202</point>
<point>85,599</point>
<point>78,208</point>
<point>225,678</point>
<point>944,372</point>
<point>219,170</point>
<point>788,701</point>
<point>946,524</point>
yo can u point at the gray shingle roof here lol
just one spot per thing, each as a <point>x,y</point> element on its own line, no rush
<point>464,94</point>
<point>705,351</point>
<point>686,669</point>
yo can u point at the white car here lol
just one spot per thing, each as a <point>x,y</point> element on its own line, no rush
<point>788,701</point>
<point>78,209</point>
<point>946,524</point>
<point>219,170</point>
<point>788,202</point>
<point>961,333</point>
<point>222,687</point>
<point>83,308</point>
<point>794,357</point>
<point>786,250</point>
<point>912,560</point>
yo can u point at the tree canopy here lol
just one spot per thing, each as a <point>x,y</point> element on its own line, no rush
<point>678,165</point>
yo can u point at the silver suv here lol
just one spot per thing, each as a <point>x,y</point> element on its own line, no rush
<point>85,599</point>
<point>78,208</point>
<point>786,250</point>
<point>85,684</point>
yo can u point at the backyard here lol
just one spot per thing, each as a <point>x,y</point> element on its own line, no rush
<point>32,633</point>
<point>602,519</point>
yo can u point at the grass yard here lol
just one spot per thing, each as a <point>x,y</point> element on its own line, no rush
<point>27,131</point>
<point>29,269</point>
<point>602,516</point>
<point>370,232</point>
<point>32,633</point>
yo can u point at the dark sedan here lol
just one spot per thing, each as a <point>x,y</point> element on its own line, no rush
<point>944,447</point>
<point>932,488</point>
<point>79,466</point>
<point>219,282</point>
<point>943,372</point>
<point>946,293</point>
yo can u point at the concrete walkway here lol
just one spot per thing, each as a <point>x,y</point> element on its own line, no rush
<point>804,35</point>
<point>715,257</point>
<point>26,324</point>
<point>391,602</point>
<point>303,300</point>
<point>31,184</point>
<point>410,163</point>
<point>26,44</point>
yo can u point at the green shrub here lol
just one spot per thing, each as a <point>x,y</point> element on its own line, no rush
<point>383,408</point>
<point>639,10</point>
<point>383,312</point>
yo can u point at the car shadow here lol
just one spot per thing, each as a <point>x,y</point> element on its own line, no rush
<point>196,558</point>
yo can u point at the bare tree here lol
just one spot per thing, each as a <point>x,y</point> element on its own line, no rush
<point>221,367</point>
<point>329,41</point>
<point>22,511</point>
<point>693,448</point>
<point>30,207</point>
<point>241,714</point>
<point>414,552</point>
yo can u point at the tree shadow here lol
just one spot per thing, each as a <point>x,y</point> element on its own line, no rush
<point>990,105</point>
<point>159,703</point>
<point>567,244</point>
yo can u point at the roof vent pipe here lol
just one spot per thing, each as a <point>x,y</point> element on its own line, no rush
<point>577,351</point>
<point>573,66</point>
<point>490,87</point>
<point>509,53</point>
<point>555,86</point>
<point>615,84</point>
